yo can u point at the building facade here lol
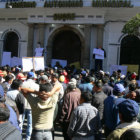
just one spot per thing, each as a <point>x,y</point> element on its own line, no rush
<point>69,33</point>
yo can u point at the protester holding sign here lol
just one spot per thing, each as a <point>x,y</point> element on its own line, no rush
<point>39,50</point>
<point>99,54</point>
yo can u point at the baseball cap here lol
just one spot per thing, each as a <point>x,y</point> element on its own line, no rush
<point>31,75</point>
<point>128,108</point>
<point>83,72</point>
<point>1,93</point>
<point>62,78</point>
<point>44,77</point>
<point>20,76</point>
<point>119,88</point>
<point>72,82</point>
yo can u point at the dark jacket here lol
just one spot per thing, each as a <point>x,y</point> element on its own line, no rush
<point>108,90</point>
<point>71,101</point>
<point>98,102</point>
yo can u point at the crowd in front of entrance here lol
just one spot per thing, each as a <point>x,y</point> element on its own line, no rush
<point>88,105</point>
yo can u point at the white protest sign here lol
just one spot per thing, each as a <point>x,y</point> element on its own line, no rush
<point>99,54</point>
<point>6,58</point>
<point>63,63</point>
<point>117,67</point>
<point>39,63</point>
<point>27,64</point>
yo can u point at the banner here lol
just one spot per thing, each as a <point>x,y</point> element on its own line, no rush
<point>27,64</point>
<point>16,61</point>
<point>76,64</point>
<point>6,58</point>
<point>132,68</point>
<point>63,63</point>
<point>117,67</point>
<point>36,63</point>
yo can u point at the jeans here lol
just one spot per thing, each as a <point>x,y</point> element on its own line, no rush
<point>29,123</point>
<point>41,135</point>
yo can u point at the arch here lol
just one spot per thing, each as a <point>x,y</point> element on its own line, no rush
<point>62,29</point>
<point>129,51</point>
<point>10,30</point>
<point>11,41</point>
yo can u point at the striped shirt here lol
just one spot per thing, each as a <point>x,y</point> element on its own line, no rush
<point>85,121</point>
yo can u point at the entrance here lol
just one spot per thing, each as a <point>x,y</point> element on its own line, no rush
<point>11,43</point>
<point>130,50</point>
<point>66,46</point>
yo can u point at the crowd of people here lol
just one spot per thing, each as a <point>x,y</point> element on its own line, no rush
<point>87,104</point>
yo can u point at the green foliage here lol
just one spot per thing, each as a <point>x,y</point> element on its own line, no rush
<point>132,26</point>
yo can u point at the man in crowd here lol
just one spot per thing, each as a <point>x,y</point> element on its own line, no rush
<point>16,96</point>
<point>7,130</point>
<point>85,120</point>
<point>128,112</point>
<point>71,101</point>
<point>98,59</point>
<point>111,113</point>
<point>98,98</point>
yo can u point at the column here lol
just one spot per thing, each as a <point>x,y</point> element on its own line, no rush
<point>93,44</point>
<point>1,50</point>
<point>46,37</point>
<point>35,38</point>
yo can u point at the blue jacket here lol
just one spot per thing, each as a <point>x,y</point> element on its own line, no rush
<point>111,114</point>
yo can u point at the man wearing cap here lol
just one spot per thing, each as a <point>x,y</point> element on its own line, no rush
<point>71,101</point>
<point>43,79</point>
<point>128,112</point>
<point>111,114</point>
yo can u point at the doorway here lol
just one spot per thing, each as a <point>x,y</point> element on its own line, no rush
<point>11,43</point>
<point>66,46</point>
<point>130,50</point>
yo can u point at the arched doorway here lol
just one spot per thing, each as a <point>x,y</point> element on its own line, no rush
<point>130,50</point>
<point>11,43</point>
<point>66,45</point>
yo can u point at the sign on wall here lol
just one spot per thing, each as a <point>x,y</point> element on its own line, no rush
<point>63,63</point>
<point>117,67</point>
<point>6,58</point>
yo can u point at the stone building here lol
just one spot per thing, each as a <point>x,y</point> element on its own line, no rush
<point>68,33</point>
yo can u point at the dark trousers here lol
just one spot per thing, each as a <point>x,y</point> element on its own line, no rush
<point>64,130</point>
<point>98,64</point>
<point>107,131</point>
